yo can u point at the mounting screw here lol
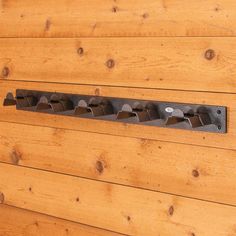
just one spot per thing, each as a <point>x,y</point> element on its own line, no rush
<point>110,63</point>
<point>209,54</point>
<point>219,127</point>
<point>5,72</point>
<point>218,112</point>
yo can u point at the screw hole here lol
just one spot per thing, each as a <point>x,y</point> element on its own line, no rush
<point>219,127</point>
<point>218,112</point>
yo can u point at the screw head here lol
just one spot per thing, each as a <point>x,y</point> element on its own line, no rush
<point>5,72</point>
<point>209,54</point>
<point>110,63</point>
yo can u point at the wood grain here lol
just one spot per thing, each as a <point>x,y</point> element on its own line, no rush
<point>197,172</point>
<point>123,129</point>
<point>196,63</point>
<point>63,18</point>
<point>121,209</point>
<point>19,222</point>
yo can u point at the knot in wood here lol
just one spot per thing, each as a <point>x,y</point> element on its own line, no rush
<point>110,63</point>
<point>2,198</point>
<point>99,167</point>
<point>195,173</point>
<point>209,54</point>
<point>5,72</point>
<point>80,51</point>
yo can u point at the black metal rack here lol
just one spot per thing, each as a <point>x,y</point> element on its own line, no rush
<point>153,113</point>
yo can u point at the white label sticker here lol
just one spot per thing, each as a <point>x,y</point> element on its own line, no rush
<point>169,109</point>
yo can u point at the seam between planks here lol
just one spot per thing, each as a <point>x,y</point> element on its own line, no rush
<point>117,135</point>
<point>116,86</point>
<point>117,184</point>
<point>59,218</point>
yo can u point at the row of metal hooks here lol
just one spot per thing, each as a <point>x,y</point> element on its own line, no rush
<point>127,110</point>
<point>94,107</point>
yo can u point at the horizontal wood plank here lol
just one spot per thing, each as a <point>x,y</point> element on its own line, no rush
<point>123,129</point>
<point>19,222</point>
<point>122,209</point>
<point>192,171</point>
<point>62,18</point>
<point>183,63</point>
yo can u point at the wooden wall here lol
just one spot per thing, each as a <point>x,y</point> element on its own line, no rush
<point>77,177</point>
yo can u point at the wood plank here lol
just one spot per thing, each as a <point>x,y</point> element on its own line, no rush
<point>63,18</point>
<point>152,63</point>
<point>19,222</point>
<point>118,208</point>
<point>123,129</point>
<point>192,171</point>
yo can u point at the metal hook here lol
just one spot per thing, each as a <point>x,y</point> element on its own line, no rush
<point>138,112</point>
<point>194,119</point>
<point>26,101</point>
<point>95,107</point>
<point>9,100</point>
<point>55,103</point>
<point>20,100</point>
